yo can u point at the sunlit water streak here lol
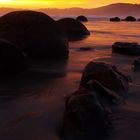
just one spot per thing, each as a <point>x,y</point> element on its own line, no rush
<point>37,113</point>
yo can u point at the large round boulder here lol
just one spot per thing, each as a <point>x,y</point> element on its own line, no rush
<point>115,19</point>
<point>107,75</point>
<point>126,48</point>
<point>130,18</point>
<point>84,116</point>
<point>12,59</point>
<point>74,29</point>
<point>82,18</point>
<point>35,32</point>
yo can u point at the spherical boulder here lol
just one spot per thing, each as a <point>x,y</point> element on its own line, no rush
<point>12,59</point>
<point>130,18</point>
<point>107,75</point>
<point>35,32</point>
<point>82,18</point>
<point>74,29</point>
<point>115,19</point>
<point>126,48</point>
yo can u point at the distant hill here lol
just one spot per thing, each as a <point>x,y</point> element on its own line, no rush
<point>7,10</point>
<point>118,9</point>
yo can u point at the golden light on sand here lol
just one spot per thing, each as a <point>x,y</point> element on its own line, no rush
<point>60,3</point>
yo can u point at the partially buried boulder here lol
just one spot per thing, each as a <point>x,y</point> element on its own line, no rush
<point>84,117</point>
<point>12,59</point>
<point>115,19</point>
<point>130,18</point>
<point>126,48</point>
<point>107,75</point>
<point>82,18</point>
<point>74,29</point>
<point>35,33</point>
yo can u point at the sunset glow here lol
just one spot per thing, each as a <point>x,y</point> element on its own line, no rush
<point>60,3</point>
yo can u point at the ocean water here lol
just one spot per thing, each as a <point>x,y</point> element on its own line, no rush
<point>32,104</point>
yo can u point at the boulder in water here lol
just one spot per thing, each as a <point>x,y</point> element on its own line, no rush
<point>74,29</point>
<point>107,75</point>
<point>130,18</point>
<point>82,18</point>
<point>115,19</point>
<point>87,111</point>
<point>126,48</point>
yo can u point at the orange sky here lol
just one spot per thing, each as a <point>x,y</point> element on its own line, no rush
<point>60,3</point>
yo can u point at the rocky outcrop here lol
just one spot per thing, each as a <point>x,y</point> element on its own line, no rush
<point>35,33</point>
<point>74,29</point>
<point>126,48</point>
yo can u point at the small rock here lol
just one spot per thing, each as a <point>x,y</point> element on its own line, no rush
<point>85,49</point>
<point>115,19</point>
<point>136,64</point>
<point>130,18</point>
<point>82,18</point>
